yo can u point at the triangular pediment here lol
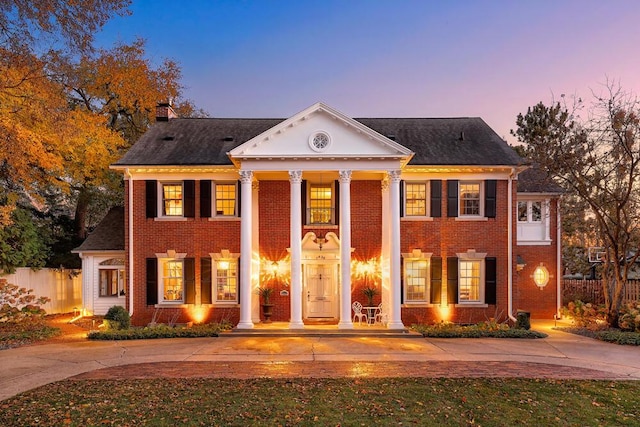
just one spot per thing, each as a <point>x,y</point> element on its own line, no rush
<point>320,132</point>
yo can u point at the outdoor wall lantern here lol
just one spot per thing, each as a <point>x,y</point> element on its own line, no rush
<point>541,276</point>
<point>520,263</point>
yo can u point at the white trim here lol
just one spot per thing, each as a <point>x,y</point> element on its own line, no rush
<point>130,283</point>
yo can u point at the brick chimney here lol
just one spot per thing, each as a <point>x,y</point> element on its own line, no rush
<point>164,112</point>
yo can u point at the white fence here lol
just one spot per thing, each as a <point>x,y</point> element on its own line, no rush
<point>63,287</point>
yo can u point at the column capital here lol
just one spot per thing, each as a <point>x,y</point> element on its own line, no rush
<point>295,177</point>
<point>345,176</point>
<point>394,175</point>
<point>384,185</point>
<point>246,176</point>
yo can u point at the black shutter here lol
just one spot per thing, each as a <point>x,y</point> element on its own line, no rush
<point>205,280</point>
<point>152,281</point>
<point>337,209</point>
<point>452,198</point>
<point>151,195</point>
<point>189,280</point>
<point>402,198</point>
<point>490,280</point>
<point>452,280</point>
<point>189,198</point>
<point>436,280</point>
<point>490,198</point>
<point>205,198</point>
<point>303,201</point>
<point>436,198</point>
<point>239,198</point>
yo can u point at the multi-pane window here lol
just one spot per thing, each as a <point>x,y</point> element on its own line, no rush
<point>415,199</point>
<point>321,204</point>
<point>470,198</point>
<point>173,280</point>
<point>415,275</point>
<point>112,282</point>
<point>172,199</point>
<point>226,280</point>
<point>470,280</point>
<point>530,211</point>
<point>225,199</point>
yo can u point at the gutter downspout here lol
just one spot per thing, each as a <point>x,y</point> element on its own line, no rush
<point>510,247</point>
<point>130,178</point>
<point>559,259</point>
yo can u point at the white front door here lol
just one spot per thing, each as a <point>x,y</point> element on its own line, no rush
<point>320,295</point>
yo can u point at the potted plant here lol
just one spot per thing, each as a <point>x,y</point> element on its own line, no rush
<point>265,293</point>
<point>370,292</point>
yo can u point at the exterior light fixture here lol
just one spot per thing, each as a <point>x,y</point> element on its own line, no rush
<point>541,276</point>
<point>275,267</point>
<point>520,263</point>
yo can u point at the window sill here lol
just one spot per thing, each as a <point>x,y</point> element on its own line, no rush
<point>534,242</point>
<point>471,218</point>
<point>471,305</point>
<point>416,218</point>
<point>171,305</point>
<point>322,226</point>
<point>418,304</point>
<point>224,218</point>
<point>168,218</point>
<point>225,304</point>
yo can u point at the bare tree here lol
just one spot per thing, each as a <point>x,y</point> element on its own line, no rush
<point>597,158</point>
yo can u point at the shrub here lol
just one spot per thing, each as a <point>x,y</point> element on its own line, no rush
<point>480,330</point>
<point>585,315</point>
<point>18,304</point>
<point>157,331</point>
<point>630,317</point>
<point>117,318</point>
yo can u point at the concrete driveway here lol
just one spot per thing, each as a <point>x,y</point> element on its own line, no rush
<point>561,355</point>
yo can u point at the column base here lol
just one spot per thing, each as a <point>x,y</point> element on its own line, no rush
<point>245,325</point>
<point>296,325</point>
<point>395,325</point>
<point>345,325</point>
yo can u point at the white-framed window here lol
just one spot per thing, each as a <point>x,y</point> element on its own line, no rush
<point>171,286</point>
<point>530,211</point>
<point>112,282</point>
<point>471,277</point>
<point>171,199</point>
<point>416,198</point>
<point>225,196</point>
<point>225,277</point>
<point>533,225</point>
<point>416,274</point>
<point>321,204</point>
<point>470,199</point>
<point>226,280</point>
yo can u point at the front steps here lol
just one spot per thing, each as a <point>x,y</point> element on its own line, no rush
<point>281,329</point>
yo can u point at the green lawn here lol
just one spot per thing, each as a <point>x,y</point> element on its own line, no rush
<point>326,402</point>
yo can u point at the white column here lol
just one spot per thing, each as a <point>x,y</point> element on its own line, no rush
<point>395,319</point>
<point>386,237</point>
<point>255,251</point>
<point>295,179</point>
<point>345,250</point>
<point>245,250</point>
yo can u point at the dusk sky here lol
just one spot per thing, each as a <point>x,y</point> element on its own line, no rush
<point>375,58</point>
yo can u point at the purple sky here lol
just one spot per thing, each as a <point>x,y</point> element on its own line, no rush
<point>400,58</point>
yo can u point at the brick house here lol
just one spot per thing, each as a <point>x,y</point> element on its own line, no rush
<point>319,206</point>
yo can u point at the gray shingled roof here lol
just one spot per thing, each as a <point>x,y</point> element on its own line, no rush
<point>448,141</point>
<point>535,180</point>
<point>108,235</point>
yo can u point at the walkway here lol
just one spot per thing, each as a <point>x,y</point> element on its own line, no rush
<point>561,356</point>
